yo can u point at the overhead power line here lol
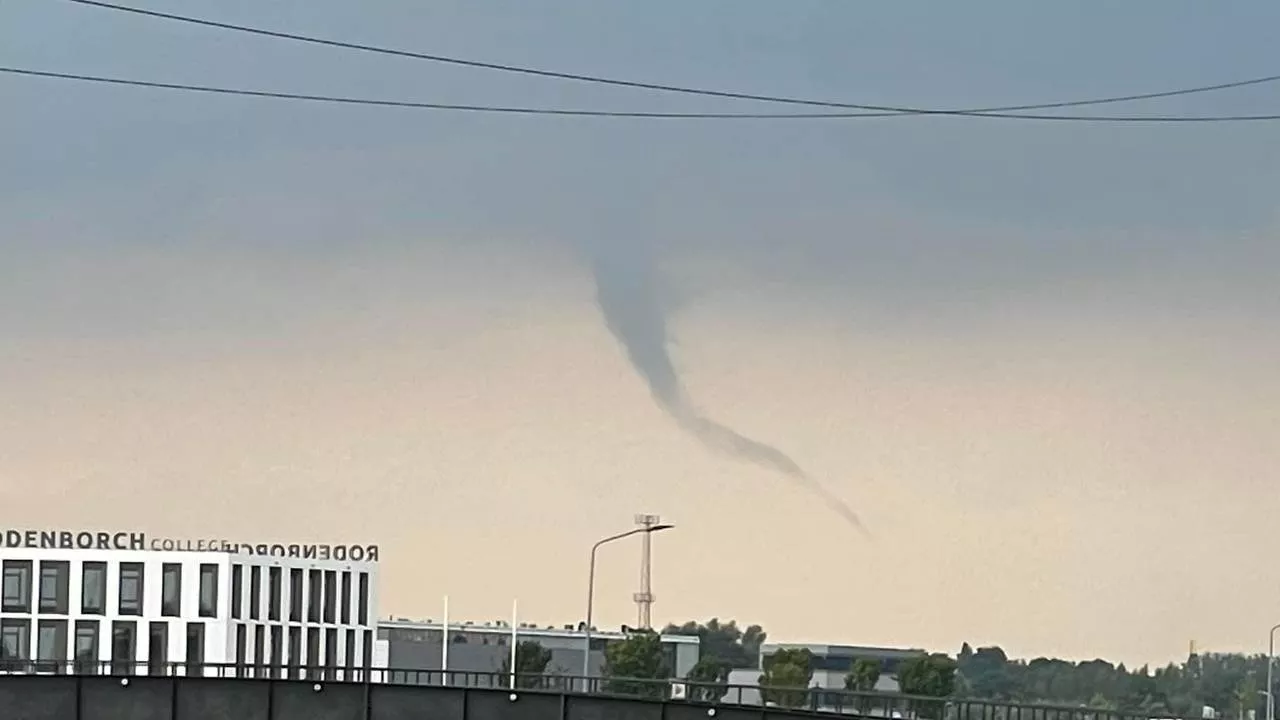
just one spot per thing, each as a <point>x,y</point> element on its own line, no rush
<point>518,110</point>
<point>600,80</point>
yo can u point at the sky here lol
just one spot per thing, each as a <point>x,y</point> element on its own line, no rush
<point>1037,359</point>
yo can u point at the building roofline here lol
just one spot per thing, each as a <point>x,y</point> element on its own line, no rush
<point>403,624</point>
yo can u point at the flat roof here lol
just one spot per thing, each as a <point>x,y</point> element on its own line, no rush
<point>831,650</point>
<point>492,629</point>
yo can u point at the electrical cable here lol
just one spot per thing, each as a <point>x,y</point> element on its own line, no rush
<point>894,110</point>
<point>519,110</point>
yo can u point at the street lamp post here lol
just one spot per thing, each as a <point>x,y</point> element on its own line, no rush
<point>591,594</point>
<point>1271,661</point>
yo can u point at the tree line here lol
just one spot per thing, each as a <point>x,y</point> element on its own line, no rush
<point>1232,684</point>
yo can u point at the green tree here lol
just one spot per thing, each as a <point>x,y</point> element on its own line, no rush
<point>786,677</point>
<point>531,664</point>
<point>724,642</point>
<point>708,680</point>
<point>932,676</point>
<point>636,666</point>
<point>863,676</point>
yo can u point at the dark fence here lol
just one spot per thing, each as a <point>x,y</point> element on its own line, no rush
<point>157,691</point>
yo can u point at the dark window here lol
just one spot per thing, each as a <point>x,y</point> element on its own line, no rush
<point>195,648</point>
<point>274,592</point>
<point>366,652</point>
<point>362,611</point>
<point>330,654</point>
<point>295,595</point>
<point>255,592</point>
<point>55,586</point>
<point>277,650</point>
<point>295,652</point>
<point>260,650</point>
<point>209,591</point>
<point>313,653</point>
<point>17,587</point>
<point>86,649</point>
<point>237,590</point>
<point>330,596</point>
<point>124,646</point>
<point>349,655</point>
<point>93,591</point>
<point>15,642</point>
<point>131,579</point>
<point>344,598</point>
<point>171,590</point>
<point>158,650</point>
<point>51,645</point>
<point>241,642</point>
<point>314,595</point>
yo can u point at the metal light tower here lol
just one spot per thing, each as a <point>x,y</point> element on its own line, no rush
<point>644,599</point>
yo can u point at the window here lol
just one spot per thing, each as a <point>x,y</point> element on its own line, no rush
<point>330,595</point>
<point>208,591</point>
<point>295,652</point>
<point>93,590</point>
<point>255,592</point>
<point>237,590</point>
<point>362,613</point>
<point>171,590</point>
<point>349,659</point>
<point>277,650</point>
<point>313,653</point>
<point>274,591</point>
<point>51,645</point>
<point>330,654</point>
<point>295,595</point>
<point>195,648</point>
<point>158,649</point>
<point>15,641</point>
<point>55,585</point>
<point>366,652</point>
<point>86,648</point>
<point>314,593</point>
<point>17,586</point>
<point>260,650</point>
<point>131,588</point>
<point>124,645</point>
<point>241,641</point>
<point>345,598</point>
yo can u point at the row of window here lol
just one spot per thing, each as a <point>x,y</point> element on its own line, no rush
<point>329,599</point>
<point>268,655</point>
<point>51,642</point>
<point>55,583</point>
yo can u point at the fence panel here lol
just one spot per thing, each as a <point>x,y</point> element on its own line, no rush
<point>304,700</point>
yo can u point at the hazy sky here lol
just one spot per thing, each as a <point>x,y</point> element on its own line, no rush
<point>1039,359</point>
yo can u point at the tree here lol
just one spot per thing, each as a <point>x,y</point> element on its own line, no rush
<point>531,664</point>
<point>708,680</point>
<point>724,642</point>
<point>786,677</point>
<point>636,666</point>
<point>932,676</point>
<point>863,676</point>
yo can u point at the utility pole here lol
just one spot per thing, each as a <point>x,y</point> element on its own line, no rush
<point>644,599</point>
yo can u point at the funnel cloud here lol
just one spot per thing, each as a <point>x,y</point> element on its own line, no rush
<point>634,308</point>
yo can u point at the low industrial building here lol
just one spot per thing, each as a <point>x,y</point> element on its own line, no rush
<point>481,649</point>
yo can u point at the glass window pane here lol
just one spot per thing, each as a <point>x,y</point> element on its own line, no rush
<point>16,588</point>
<point>93,593</point>
<point>171,590</point>
<point>208,590</point>
<point>131,578</point>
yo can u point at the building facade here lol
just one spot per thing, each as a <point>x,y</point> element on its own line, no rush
<point>482,649</point>
<point>186,612</point>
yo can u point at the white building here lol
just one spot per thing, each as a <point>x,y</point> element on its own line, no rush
<point>215,611</point>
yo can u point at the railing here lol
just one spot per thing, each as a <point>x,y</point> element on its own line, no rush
<point>877,705</point>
